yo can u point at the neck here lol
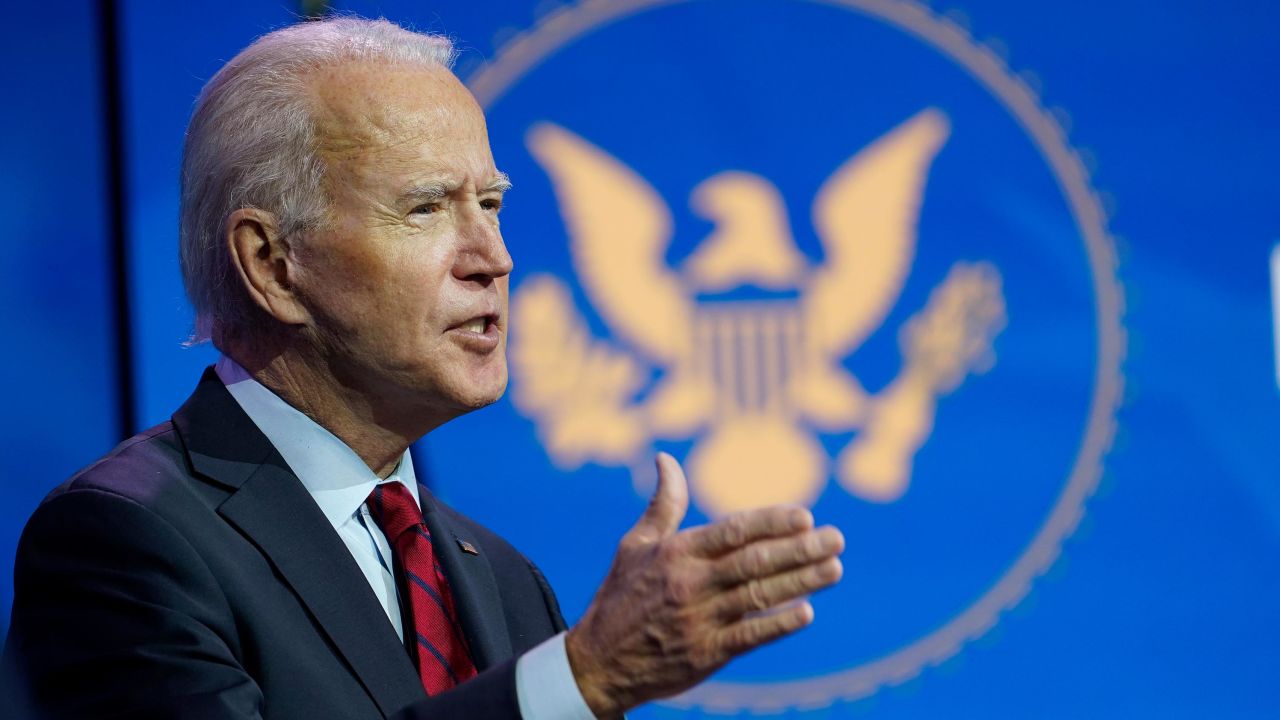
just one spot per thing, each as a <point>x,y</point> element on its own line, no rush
<point>378,435</point>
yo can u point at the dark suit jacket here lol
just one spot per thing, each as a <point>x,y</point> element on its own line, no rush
<point>189,574</point>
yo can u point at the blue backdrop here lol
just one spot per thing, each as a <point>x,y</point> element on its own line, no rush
<point>1091,525</point>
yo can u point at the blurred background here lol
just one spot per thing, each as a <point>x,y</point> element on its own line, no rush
<point>1068,507</point>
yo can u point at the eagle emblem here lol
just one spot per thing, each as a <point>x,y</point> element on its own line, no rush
<point>751,382</point>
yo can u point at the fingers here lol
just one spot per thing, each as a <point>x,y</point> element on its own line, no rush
<point>771,556</point>
<point>668,505</point>
<point>756,630</point>
<point>764,594</point>
<point>738,530</point>
<point>676,606</point>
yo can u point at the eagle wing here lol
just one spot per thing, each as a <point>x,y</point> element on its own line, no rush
<point>619,230</point>
<point>866,215</point>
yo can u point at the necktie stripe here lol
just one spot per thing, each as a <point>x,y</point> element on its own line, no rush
<point>439,601</point>
<point>444,664</point>
<point>426,534</point>
<point>435,596</point>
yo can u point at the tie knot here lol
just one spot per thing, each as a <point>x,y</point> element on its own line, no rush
<point>394,509</point>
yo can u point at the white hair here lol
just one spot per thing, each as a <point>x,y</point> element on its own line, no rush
<point>252,143</point>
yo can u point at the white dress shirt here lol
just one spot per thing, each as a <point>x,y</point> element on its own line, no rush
<point>339,481</point>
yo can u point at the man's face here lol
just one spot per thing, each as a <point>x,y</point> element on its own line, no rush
<point>407,284</point>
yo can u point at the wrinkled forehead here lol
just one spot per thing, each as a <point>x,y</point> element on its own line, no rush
<point>365,110</point>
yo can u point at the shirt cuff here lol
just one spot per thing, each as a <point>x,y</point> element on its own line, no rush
<point>545,687</point>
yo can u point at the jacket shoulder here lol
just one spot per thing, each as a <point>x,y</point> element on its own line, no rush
<point>142,468</point>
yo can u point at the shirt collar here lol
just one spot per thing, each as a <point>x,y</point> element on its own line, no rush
<point>337,479</point>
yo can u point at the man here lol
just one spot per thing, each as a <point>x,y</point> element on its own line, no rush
<point>268,553</point>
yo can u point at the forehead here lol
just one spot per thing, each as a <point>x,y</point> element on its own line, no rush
<point>375,113</point>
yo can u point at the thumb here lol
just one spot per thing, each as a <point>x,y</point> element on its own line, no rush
<point>669,503</point>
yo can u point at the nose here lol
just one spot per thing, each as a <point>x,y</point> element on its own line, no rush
<point>484,255</point>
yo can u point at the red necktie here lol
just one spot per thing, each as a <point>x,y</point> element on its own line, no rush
<point>440,649</point>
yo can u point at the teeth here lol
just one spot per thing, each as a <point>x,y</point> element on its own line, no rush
<point>475,326</point>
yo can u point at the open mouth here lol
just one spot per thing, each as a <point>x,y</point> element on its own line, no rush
<point>478,325</point>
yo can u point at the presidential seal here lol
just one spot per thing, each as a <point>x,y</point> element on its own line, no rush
<point>827,253</point>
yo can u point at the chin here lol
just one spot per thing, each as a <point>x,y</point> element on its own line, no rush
<point>484,392</point>
<point>458,390</point>
<point>478,401</point>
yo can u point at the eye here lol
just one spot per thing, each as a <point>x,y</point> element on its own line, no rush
<point>425,209</point>
<point>491,204</point>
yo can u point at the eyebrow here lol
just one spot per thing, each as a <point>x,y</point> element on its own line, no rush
<point>425,191</point>
<point>434,190</point>
<point>500,184</point>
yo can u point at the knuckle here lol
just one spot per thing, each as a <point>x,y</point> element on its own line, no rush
<point>633,541</point>
<point>749,635</point>
<point>800,551</point>
<point>804,582</point>
<point>734,572</point>
<point>627,544</point>
<point>812,546</point>
<point>760,560</point>
<point>756,598</point>
<point>734,531</point>
<point>782,519</point>
<point>751,563</point>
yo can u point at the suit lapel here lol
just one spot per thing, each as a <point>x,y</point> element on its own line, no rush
<point>475,590</point>
<point>271,507</point>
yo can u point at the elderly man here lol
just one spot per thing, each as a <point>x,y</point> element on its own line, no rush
<point>269,553</point>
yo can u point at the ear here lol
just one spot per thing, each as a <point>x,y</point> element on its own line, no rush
<point>261,257</point>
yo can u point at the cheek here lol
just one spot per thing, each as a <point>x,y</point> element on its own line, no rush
<point>387,289</point>
<point>347,292</point>
<point>416,290</point>
<point>333,263</point>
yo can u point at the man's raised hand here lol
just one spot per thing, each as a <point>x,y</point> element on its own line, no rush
<point>676,606</point>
